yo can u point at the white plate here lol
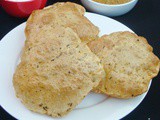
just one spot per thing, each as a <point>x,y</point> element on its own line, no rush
<point>93,107</point>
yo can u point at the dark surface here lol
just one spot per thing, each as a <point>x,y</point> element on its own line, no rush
<point>144,19</point>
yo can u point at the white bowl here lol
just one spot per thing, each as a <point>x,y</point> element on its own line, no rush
<point>109,10</point>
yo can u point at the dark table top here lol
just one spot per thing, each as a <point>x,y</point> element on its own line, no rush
<point>144,20</point>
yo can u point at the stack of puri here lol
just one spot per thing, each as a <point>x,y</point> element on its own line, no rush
<point>64,59</point>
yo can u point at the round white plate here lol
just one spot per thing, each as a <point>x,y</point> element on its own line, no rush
<point>93,107</point>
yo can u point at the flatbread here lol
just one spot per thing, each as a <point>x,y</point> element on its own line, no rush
<point>62,14</point>
<point>57,72</point>
<point>129,64</point>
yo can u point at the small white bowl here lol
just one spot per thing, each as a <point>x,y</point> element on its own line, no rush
<point>109,10</point>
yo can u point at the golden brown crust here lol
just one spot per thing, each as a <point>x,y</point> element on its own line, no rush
<point>56,72</point>
<point>62,14</point>
<point>129,64</point>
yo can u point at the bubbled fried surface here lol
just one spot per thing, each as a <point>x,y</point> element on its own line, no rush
<point>62,14</point>
<point>129,64</point>
<point>56,72</point>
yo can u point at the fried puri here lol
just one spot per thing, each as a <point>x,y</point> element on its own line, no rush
<point>62,14</point>
<point>55,75</point>
<point>129,63</point>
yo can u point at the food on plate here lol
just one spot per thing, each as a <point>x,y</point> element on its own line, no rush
<point>57,69</point>
<point>129,64</point>
<point>112,2</point>
<point>63,60</point>
<point>62,14</point>
<point>57,73</point>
